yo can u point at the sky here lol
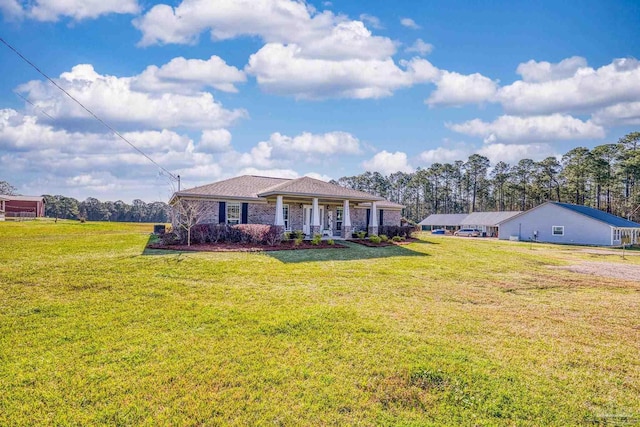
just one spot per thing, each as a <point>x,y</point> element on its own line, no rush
<point>211,89</point>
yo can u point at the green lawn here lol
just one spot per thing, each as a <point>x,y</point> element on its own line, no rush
<point>94,330</point>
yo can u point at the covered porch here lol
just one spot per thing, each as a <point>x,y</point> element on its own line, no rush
<point>333,218</point>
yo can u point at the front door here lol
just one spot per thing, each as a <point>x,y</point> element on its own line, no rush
<point>306,220</point>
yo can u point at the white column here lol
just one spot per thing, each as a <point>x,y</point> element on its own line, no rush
<point>315,218</point>
<point>346,214</point>
<point>373,219</point>
<point>279,214</point>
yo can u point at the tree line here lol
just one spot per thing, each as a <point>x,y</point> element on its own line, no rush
<point>606,177</point>
<point>93,209</point>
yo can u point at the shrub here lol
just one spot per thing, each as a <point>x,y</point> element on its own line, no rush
<point>297,241</point>
<point>82,219</point>
<point>257,233</point>
<point>384,237</point>
<point>395,230</point>
<point>273,236</point>
<point>331,242</point>
<point>317,238</point>
<point>298,234</point>
<point>375,239</point>
<point>397,238</point>
<point>360,234</point>
<point>169,239</point>
<point>287,235</point>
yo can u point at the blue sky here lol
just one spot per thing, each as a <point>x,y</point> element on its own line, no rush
<point>215,88</point>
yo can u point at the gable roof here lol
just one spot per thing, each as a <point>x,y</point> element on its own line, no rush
<point>612,220</point>
<point>22,198</point>
<point>257,188</point>
<point>307,186</point>
<point>595,214</point>
<point>244,187</point>
<point>443,219</point>
<point>488,218</point>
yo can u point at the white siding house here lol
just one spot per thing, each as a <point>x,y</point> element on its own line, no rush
<point>448,221</point>
<point>487,222</point>
<point>555,222</point>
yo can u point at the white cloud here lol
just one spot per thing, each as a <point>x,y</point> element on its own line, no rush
<point>215,141</point>
<point>275,173</point>
<point>387,163</point>
<point>321,177</point>
<point>513,153</point>
<point>513,129</point>
<point>316,144</point>
<point>586,90</point>
<point>284,70</point>
<point>409,23</point>
<point>454,89</point>
<point>53,10</point>
<point>11,9</point>
<point>372,21</point>
<point>115,101</point>
<point>625,113</point>
<point>188,75</point>
<point>444,155</point>
<point>322,35</point>
<point>419,46</point>
<point>543,71</point>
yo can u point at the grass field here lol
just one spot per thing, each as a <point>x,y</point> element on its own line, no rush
<point>94,330</point>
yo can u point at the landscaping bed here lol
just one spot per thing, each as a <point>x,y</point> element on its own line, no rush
<point>244,247</point>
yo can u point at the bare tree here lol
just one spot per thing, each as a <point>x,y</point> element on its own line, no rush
<point>186,213</point>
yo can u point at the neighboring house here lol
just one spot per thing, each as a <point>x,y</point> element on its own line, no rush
<point>487,222</point>
<point>23,206</point>
<point>306,204</point>
<point>555,222</point>
<point>446,221</point>
<point>3,199</point>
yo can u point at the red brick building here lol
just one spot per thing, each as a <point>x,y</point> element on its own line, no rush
<point>23,206</point>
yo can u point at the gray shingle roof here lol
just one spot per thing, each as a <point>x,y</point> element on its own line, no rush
<point>612,220</point>
<point>488,218</point>
<point>259,187</point>
<point>443,219</point>
<point>246,186</point>
<point>314,187</point>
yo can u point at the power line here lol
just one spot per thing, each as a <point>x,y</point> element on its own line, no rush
<point>34,105</point>
<point>115,132</point>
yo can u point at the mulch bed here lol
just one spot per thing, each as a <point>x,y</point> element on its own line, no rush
<point>239,247</point>
<point>368,243</point>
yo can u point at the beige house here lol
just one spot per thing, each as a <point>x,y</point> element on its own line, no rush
<point>306,204</point>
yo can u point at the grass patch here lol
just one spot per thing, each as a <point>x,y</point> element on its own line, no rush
<point>94,331</point>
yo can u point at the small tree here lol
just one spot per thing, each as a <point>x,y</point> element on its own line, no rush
<point>187,213</point>
<point>7,189</point>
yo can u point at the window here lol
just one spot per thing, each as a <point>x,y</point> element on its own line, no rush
<point>233,213</point>
<point>285,216</point>
<point>339,215</point>
<point>557,230</point>
<point>616,234</point>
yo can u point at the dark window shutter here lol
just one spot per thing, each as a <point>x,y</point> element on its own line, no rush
<point>381,217</point>
<point>245,213</point>
<point>222,212</point>
<point>368,217</point>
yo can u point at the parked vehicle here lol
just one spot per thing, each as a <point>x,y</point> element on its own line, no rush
<point>468,232</point>
<point>438,231</point>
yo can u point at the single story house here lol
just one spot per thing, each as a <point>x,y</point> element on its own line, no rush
<point>487,222</point>
<point>23,206</point>
<point>306,204</point>
<point>446,221</point>
<point>555,222</point>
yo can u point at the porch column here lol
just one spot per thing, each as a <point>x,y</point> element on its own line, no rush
<point>346,220</point>
<point>315,217</point>
<point>373,220</point>
<point>279,215</point>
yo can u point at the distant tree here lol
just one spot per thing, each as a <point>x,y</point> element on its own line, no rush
<point>7,189</point>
